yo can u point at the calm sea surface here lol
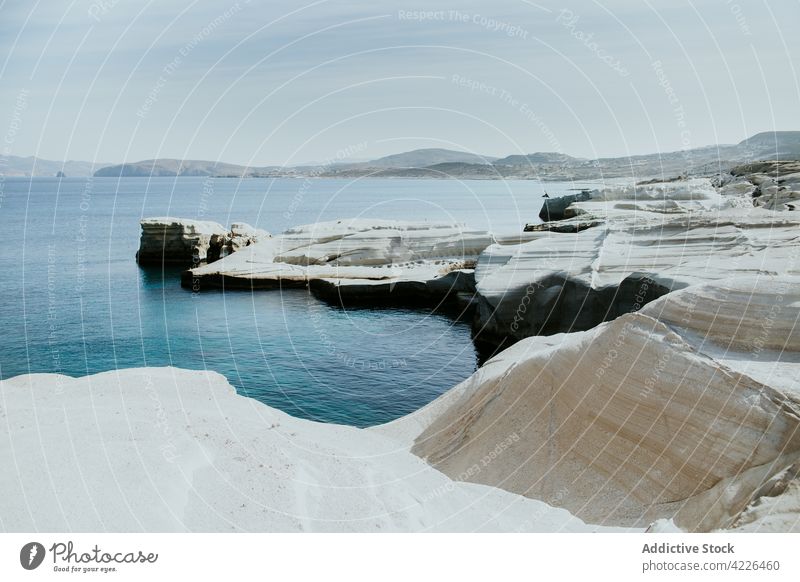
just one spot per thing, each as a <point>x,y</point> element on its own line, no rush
<point>75,302</point>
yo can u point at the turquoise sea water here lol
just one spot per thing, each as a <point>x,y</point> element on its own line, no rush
<point>75,302</point>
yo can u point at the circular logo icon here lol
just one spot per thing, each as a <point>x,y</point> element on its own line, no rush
<point>31,555</point>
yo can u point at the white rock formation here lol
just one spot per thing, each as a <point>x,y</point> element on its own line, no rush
<point>167,240</point>
<point>572,281</point>
<point>246,231</point>
<point>774,185</point>
<point>369,257</point>
<point>240,236</point>
<point>177,240</point>
<point>688,410</point>
<point>163,449</point>
<point>676,197</point>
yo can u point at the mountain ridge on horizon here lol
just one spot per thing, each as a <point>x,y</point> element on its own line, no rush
<point>428,163</point>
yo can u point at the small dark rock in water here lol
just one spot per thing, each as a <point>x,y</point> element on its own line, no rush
<point>61,175</point>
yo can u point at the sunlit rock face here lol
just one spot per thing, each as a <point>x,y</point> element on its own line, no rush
<point>684,410</point>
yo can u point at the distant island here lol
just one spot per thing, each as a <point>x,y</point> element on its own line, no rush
<point>437,163</point>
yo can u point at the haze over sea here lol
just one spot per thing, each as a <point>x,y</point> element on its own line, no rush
<point>75,302</point>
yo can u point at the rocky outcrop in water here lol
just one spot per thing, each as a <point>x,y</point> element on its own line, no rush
<point>167,240</point>
<point>181,241</point>
<point>354,261</point>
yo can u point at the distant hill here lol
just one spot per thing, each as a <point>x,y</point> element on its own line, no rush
<point>427,157</point>
<point>173,167</point>
<point>537,158</point>
<point>440,171</point>
<point>781,144</point>
<point>416,159</point>
<point>558,166</point>
<point>444,163</point>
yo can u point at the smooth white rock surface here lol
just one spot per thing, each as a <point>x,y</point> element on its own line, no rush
<point>164,449</point>
<point>357,250</point>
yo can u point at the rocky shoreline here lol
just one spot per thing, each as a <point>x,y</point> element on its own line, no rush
<point>646,378</point>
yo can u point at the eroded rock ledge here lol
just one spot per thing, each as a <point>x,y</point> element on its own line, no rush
<point>356,261</point>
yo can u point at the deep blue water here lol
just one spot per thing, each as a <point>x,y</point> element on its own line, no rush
<point>74,300</point>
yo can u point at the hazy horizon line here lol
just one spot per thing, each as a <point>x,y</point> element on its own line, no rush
<point>334,161</point>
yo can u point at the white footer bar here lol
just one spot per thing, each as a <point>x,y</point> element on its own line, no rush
<point>409,557</point>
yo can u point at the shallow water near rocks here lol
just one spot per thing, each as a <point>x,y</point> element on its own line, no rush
<point>75,302</point>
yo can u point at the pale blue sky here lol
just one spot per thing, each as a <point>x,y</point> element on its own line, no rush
<point>283,82</point>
